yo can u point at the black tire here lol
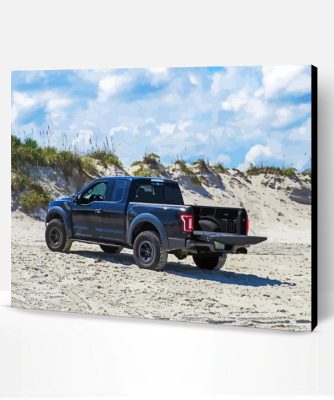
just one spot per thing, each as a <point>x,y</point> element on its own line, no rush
<point>148,251</point>
<point>56,237</point>
<point>111,249</point>
<point>209,261</point>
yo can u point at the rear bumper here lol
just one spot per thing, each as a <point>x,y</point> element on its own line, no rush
<point>221,242</point>
<point>227,238</point>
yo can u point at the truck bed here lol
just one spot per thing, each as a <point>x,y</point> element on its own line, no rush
<point>227,219</point>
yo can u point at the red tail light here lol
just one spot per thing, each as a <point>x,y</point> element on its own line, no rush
<point>247,225</point>
<point>187,222</point>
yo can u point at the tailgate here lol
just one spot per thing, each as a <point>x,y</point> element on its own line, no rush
<point>228,238</point>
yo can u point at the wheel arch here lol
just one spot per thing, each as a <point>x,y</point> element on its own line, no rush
<point>58,213</point>
<point>147,222</point>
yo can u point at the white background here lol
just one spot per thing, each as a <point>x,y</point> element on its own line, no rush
<point>61,354</point>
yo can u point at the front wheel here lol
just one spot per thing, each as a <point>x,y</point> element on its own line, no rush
<point>56,237</point>
<point>209,261</point>
<point>148,251</point>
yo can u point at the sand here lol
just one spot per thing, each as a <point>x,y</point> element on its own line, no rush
<point>270,287</point>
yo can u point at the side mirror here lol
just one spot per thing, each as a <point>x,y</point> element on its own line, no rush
<point>75,198</point>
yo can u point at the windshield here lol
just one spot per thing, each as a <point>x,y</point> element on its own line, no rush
<point>160,192</point>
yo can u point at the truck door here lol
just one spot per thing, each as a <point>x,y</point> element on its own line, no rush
<point>113,214</point>
<point>87,211</point>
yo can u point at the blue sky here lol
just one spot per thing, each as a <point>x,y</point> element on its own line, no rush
<point>236,115</point>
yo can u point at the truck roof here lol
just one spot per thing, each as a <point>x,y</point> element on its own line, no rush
<point>136,178</point>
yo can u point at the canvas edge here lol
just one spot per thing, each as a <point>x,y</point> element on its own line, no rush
<point>314,219</point>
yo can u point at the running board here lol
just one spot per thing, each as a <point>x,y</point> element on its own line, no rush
<point>98,243</point>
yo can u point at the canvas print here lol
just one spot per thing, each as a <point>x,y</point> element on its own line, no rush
<point>180,194</point>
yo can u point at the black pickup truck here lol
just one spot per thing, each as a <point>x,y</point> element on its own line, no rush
<point>149,216</point>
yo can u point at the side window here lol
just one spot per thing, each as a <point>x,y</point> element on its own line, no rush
<point>94,193</point>
<point>118,190</point>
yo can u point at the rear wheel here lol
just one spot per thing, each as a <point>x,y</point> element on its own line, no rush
<point>111,249</point>
<point>56,237</point>
<point>209,261</point>
<point>148,251</point>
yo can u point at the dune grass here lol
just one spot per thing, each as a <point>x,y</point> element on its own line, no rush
<point>201,163</point>
<point>219,167</point>
<point>28,151</point>
<point>106,157</point>
<point>187,171</point>
<point>273,170</point>
<point>35,198</point>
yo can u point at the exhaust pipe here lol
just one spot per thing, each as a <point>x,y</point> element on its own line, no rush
<point>241,250</point>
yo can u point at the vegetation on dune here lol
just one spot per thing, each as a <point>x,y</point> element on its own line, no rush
<point>34,195</point>
<point>145,171</point>
<point>149,166</point>
<point>187,171</point>
<point>219,167</point>
<point>307,172</point>
<point>28,151</point>
<point>89,166</point>
<point>135,163</point>
<point>106,157</point>
<point>31,195</point>
<point>151,158</point>
<point>257,170</point>
<point>201,163</point>
<point>34,199</point>
<point>196,180</point>
<point>184,167</point>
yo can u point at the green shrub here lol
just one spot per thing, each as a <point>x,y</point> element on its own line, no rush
<point>257,170</point>
<point>307,172</point>
<point>151,157</point>
<point>106,157</point>
<point>20,181</point>
<point>29,152</point>
<point>201,163</point>
<point>147,172</point>
<point>219,167</point>
<point>187,171</point>
<point>88,166</point>
<point>35,198</point>
<point>183,167</point>
<point>135,163</point>
<point>196,180</point>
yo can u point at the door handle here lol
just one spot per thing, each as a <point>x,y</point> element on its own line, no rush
<point>98,211</point>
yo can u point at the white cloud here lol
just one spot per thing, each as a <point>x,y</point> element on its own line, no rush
<point>193,79</point>
<point>286,78</point>
<point>57,103</point>
<point>202,137</point>
<point>53,102</point>
<point>158,75</point>
<point>302,132</point>
<point>235,101</point>
<point>83,139</point>
<point>118,129</point>
<point>254,154</point>
<point>182,126</point>
<point>167,129</point>
<point>23,100</point>
<point>111,84</point>
<point>284,116</point>
<point>224,158</point>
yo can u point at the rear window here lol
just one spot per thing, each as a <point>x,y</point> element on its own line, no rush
<point>147,191</point>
